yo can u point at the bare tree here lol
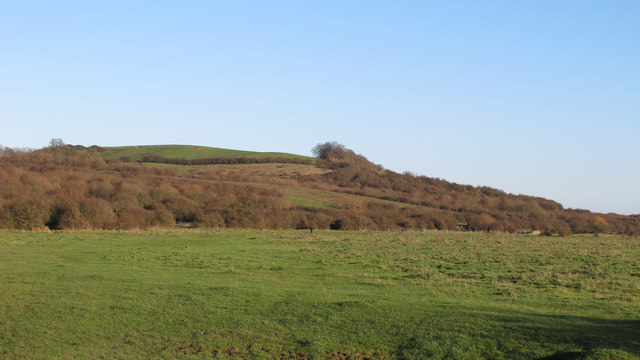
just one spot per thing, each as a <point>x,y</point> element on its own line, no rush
<point>55,142</point>
<point>328,150</point>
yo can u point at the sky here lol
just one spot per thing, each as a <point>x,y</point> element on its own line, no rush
<point>531,97</point>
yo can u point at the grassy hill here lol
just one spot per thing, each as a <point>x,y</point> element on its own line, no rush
<point>187,152</point>
<point>73,187</point>
<point>192,286</point>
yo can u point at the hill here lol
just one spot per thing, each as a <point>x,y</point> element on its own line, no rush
<point>187,152</point>
<point>73,187</point>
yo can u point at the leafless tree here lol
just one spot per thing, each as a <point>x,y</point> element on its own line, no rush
<point>55,142</point>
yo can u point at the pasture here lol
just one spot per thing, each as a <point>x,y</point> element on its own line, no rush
<point>250,294</point>
<point>186,151</point>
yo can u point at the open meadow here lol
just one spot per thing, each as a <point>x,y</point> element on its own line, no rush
<point>250,294</point>
<point>187,151</point>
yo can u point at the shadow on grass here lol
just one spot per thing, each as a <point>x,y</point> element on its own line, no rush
<point>594,354</point>
<point>566,355</point>
<point>590,335</point>
<point>518,335</point>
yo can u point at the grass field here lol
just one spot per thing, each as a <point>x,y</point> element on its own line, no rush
<point>186,151</point>
<point>247,294</point>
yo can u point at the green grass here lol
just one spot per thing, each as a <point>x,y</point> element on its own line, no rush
<point>310,203</point>
<point>186,151</point>
<point>286,294</point>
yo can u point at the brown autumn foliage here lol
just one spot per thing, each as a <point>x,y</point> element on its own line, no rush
<point>221,160</point>
<point>72,187</point>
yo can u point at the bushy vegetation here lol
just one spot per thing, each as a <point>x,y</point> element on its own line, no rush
<point>224,160</point>
<point>247,294</point>
<point>73,187</point>
<point>480,208</point>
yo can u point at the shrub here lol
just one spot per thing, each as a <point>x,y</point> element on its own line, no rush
<point>28,214</point>
<point>564,231</point>
<point>98,213</point>
<point>211,219</point>
<point>132,219</point>
<point>65,214</point>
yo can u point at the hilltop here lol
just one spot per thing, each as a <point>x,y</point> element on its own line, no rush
<point>188,152</point>
<point>74,187</point>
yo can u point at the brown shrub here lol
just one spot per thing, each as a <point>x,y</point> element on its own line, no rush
<point>564,231</point>
<point>161,217</point>
<point>210,219</point>
<point>65,215</point>
<point>28,213</point>
<point>98,213</point>
<point>132,219</point>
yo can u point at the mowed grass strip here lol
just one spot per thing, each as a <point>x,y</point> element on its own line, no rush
<point>309,203</point>
<point>187,152</point>
<point>291,294</point>
<point>273,171</point>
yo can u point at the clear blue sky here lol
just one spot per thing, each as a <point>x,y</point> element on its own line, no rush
<point>533,97</point>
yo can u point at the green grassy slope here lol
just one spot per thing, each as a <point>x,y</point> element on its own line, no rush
<point>186,151</point>
<point>289,294</point>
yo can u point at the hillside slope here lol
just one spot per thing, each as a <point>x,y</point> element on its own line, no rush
<point>186,152</point>
<point>72,187</point>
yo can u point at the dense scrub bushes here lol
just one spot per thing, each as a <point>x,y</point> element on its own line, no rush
<point>223,160</point>
<point>480,208</point>
<point>72,187</point>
